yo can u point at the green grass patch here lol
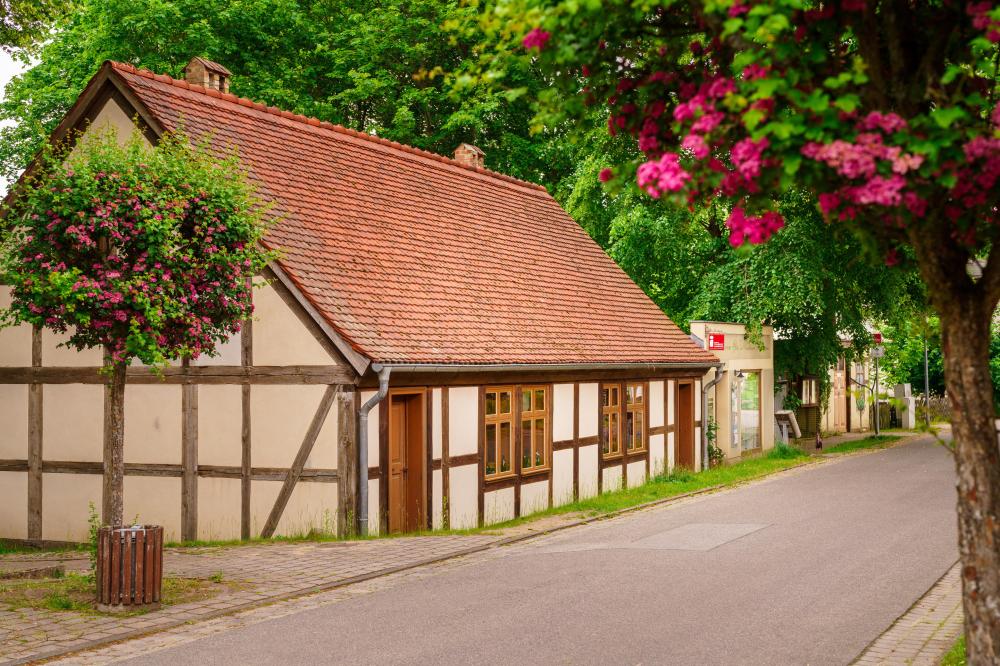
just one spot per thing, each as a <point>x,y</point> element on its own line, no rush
<point>76,592</point>
<point>874,442</point>
<point>16,548</point>
<point>956,655</point>
<point>678,482</point>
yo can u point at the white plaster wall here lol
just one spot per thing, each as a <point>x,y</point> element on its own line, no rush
<point>65,505</point>
<point>280,417</point>
<point>153,500</point>
<point>671,453</point>
<point>279,338</point>
<point>534,497</point>
<point>374,519</point>
<point>229,352</point>
<point>463,420</point>
<point>588,470</point>
<point>373,417</point>
<point>113,117</point>
<point>655,404</point>
<point>697,400</point>
<point>657,454</point>
<point>697,448</point>
<point>562,477</point>
<point>588,410</point>
<point>436,429</point>
<point>14,420</point>
<point>153,423</point>
<point>14,505</point>
<point>671,409</point>
<point>220,426</point>
<point>437,499</point>
<point>54,355</point>
<point>498,506</point>
<point>312,506</point>
<point>15,342</point>
<point>636,473</point>
<point>219,508</point>
<point>562,412</point>
<point>463,496</point>
<point>612,479</point>
<point>73,423</point>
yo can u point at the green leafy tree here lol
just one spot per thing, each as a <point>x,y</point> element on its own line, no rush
<point>886,112</point>
<point>25,22</point>
<point>369,66</point>
<point>145,252</point>
<point>811,282</point>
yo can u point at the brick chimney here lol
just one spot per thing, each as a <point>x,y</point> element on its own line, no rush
<point>469,155</point>
<point>206,73</point>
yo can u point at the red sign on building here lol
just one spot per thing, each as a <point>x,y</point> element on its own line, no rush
<point>717,341</point>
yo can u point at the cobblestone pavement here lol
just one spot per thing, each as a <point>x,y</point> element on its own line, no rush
<point>265,573</point>
<point>922,635</point>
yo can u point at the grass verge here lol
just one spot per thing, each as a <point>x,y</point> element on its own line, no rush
<point>956,655</point>
<point>676,483</point>
<point>14,548</point>
<point>75,592</point>
<point>874,442</point>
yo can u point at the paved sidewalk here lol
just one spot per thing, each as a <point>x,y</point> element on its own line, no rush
<point>263,574</point>
<point>925,633</point>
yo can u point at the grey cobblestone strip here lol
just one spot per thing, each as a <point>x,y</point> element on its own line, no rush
<point>924,633</point>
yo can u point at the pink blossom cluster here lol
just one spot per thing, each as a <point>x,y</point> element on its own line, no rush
<point>663,175</point>
<point>752,229</point>
<point>983,21</point>
<point>536,39</point>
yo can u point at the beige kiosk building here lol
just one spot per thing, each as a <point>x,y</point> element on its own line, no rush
<point>742,402</point>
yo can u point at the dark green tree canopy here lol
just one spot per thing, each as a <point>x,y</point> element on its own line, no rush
<point>368,66</point>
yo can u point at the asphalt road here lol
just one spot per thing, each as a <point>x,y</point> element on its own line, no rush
<point>806,568</point>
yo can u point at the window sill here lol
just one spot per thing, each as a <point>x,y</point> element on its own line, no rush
<point>499,477</point>
<point>535,471</point>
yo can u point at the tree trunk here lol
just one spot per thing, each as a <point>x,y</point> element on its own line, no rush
<point>113,504</point>
<point>965,328</point>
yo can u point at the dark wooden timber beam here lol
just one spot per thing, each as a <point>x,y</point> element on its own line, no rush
<point>35,442</point>
<point>195,374</point>
<point>295,471</point>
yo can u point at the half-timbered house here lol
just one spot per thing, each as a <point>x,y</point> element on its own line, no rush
<point>519,367</point>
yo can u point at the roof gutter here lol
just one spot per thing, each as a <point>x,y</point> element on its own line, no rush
<point>363,410</point>
<point>719,370</point>
<point>502,367</point>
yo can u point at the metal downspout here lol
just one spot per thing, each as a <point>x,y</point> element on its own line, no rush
<point>383,390</point>
<point>704,425</point>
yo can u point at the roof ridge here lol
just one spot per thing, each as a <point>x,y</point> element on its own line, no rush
<point>316,122</point>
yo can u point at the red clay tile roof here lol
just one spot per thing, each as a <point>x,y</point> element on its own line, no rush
<point>415,258</point>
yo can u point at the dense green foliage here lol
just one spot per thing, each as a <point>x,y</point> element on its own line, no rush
<point>147,252</point>
<point>811,282</point>
<point>369,66</point>
<point>24,22</point>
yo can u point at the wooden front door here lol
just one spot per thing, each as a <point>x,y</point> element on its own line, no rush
<point>685,425</point>
<point>406,462</point>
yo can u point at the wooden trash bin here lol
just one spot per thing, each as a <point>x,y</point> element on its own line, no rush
<point>129,567</point>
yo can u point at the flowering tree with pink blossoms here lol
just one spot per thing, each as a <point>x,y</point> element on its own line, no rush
<point>886,112</point>
<point>146,253</point>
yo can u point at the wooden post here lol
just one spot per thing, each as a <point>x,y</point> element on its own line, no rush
<point>112,500</point>
<point>445,465</point>
<point>189,459</point>
<point>35,442</point>
<point>246,360</point>
<point>293,474</point>
<point>347,463</point>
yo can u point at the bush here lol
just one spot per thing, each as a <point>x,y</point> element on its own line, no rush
<point>782,451</point>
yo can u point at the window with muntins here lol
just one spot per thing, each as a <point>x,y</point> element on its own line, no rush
<point>534,428</point>
<point>498,424</point>
<point>635,417</point>
<point>611,424</point>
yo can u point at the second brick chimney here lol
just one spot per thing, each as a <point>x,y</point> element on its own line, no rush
<point>470,155</point>
<point>206,73</point>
